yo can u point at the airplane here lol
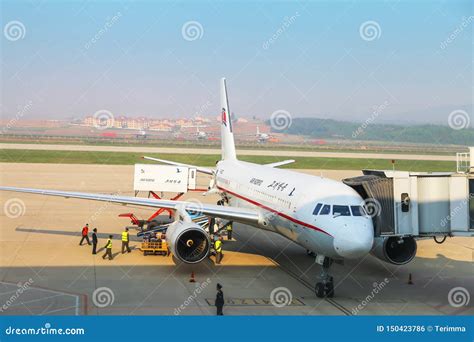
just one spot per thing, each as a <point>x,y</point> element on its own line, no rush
<point>262,137</point>
<point>324,216</point>
<point>141,134</point>
<point>200,135</point>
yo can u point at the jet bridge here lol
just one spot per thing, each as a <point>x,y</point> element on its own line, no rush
<point>419,204</point>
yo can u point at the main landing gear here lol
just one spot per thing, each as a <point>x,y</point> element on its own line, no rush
<point>324,288</point>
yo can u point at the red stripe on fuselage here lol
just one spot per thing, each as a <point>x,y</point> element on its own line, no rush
<point>292,219</point>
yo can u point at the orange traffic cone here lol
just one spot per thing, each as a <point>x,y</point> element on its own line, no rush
<point>192,280</point>
<point>410,282</point>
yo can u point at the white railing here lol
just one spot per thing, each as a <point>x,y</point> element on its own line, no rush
<point>462,162</point>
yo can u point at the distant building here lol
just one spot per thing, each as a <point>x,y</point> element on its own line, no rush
<point>89,121</point>
<point>121,122</point>
<point>161,126</point>
<point>165,125</point>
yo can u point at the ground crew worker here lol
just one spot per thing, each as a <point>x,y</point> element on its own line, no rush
<point>219,300</point>
<point>229,231</point>
<point>94,241</point>
<point>108,248</point>
<point>85,234</point>
<point>218,248</point>
<point>125,241</point>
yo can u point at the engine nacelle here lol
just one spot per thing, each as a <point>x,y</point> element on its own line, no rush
<point>395,250</point>
<point>188,241</point>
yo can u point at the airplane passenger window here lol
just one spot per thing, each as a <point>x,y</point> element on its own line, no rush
<point>316,210</point>
<point>342,210</point>
<point>357,210</point>
<point>326,210</point>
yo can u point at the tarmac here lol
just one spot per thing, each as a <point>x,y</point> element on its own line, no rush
<point>44,271</point>
<point>262,152</point>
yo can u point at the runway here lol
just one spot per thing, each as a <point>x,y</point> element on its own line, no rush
<point>140,149</point>
<point>40,242</point>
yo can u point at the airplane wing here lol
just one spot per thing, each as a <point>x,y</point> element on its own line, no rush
<point>169,162</point>
<point>242,215</point>
<point>281,163</point>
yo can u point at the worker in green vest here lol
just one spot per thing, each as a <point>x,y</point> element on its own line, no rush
<point>229,231</point>
<point>108,248</point>
<point>218,248</point>
<point>125,240</point>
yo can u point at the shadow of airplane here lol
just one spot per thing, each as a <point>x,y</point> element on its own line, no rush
<point>69,233</point>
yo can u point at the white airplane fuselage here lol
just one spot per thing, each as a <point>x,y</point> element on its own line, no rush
<point>262,137</point>
<point>287,201</point>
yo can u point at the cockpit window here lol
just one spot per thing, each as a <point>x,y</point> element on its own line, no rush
<point>342,210</point>
<point>316,210</point>
<point>357,210</point>
<point>326,210</point>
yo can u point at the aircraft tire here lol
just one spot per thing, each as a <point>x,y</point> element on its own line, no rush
<point>329,289</point>
<point>319,289</point>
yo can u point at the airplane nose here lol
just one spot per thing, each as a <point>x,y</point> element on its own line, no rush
<point>354,245</point>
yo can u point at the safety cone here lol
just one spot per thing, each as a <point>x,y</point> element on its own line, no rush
<point>192,280</point>
<point>410,282</point>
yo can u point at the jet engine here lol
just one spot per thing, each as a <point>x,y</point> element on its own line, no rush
<point>188,241</point>
<point>395,250</point>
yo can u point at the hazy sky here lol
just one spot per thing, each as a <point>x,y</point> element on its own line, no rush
<point>71,59</point>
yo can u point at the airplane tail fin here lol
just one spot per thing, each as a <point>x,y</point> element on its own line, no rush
<point>227,136</point>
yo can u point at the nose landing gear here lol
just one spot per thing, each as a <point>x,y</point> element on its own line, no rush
<point>324,288</point>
